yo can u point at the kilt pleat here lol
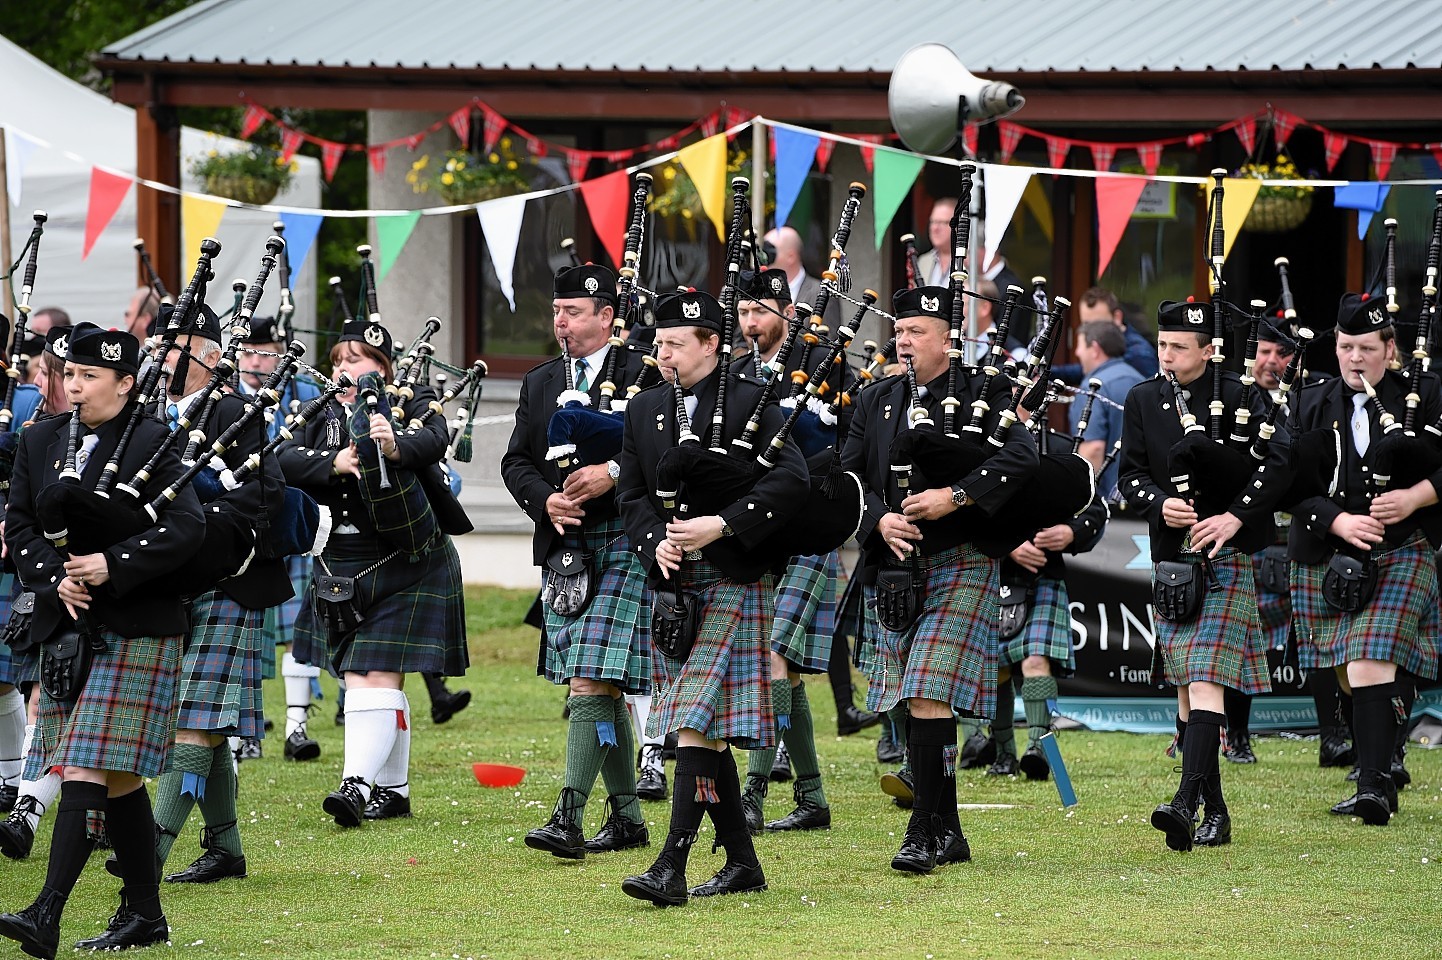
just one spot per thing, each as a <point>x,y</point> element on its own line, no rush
<point>723,689</point>
<point>1048,629</point>
<point>220,673</point>
<point>8,667</point>
<point>949,654</point>
<point>611,639</point>
<point>124,718</point>
<point>1399,625</point>
<point>805,620</point>
<point>280,619</point>
<point>1224,644</point>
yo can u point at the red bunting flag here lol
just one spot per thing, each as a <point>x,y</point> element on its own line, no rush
<point>969,138</point>
<point>668,143</point>
<point>290,142</point>
<point>1383,154</point>
<point>577,161</point>
<point>106,193</point>
<point>330,154</point>
<point>460,122</point>
<point>608,200</point>
<point>868,150</point>
<point>1334,143</point>
<point>377,156</point>
<point>823,152</point>
<point>1197,139</point>
<point>619,156</point>
<point>1436,149</point>
<point>495,125</point>
<point>536,147</point>
<point>710,124</point>
<point>1151,156</point>
<point>1056,150</point>
<point>1283,123</point>
<point>1116,199</point>
<point>1246,130</point>
<point>414,141</point>
<point>1102,155</point>
<point>251,122</point>
<point>1010,135</point>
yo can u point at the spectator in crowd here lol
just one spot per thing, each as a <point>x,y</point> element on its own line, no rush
<point>786,243</point>
<point>43,319</point>
<point>1098,303</point>
<point>139,315</point>
<point>1100,346</point>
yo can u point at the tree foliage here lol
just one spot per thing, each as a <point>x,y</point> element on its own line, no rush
<point>67,34</point>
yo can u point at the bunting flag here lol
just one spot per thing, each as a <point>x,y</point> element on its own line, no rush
<point>1283,123</point>
<point>1004,188</point>
<point>1195,140</point>
<point>377,157</point>
<point>1102,155</point>
<point>868,148</point>
<point>969,138</point>
<point>1056,150</point>
<point>1116,199</point>
<point>494,126</point>
<point>290,142</point>
<point>1334,143</point>
<point>1010,135</point>
<point>1241,193</point>
<point>536,147</point>
<point>300,233</point>
<point>1035,199</point>
<point>107,191</point>
<point>795,152</point>
<point>710,124</point>
<point>1436,151</point>
<point>705,163</point>
<point>823,152</point>
<point>501,223</point>
<point>199,218</point>
<point>252,121</point>
<point>391,236</point>
<point>460,122</point>
<point>18,149</point>
<point>1246,130</point>
<point>608,201</point>
<point>330,154</point>
<point>1383,154</point>
<point>415,140</point>
<point>1365,198</point>
<point>1151,157</point>
<point>894,173</point>
<point>576,162</point>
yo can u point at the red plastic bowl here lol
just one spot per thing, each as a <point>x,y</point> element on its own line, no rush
<point>498,774</point>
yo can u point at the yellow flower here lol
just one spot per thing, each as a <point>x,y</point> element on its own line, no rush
<point>460,164</point>
<point>422,163</point>
<point>212,153</point>
<point>450,165</point>
<point>686,212</point>
<point>494,158</point>
<point>511,165</point>
<point>295,166</point>
<point>448,178</point>
<point>505,143</point>
<point>669,173</point>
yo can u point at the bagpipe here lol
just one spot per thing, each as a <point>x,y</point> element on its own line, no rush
<point>157,285</point>
<point>9,436</point>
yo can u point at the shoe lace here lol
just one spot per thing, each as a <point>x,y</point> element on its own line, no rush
<point>208,834</point>
<point>350,786</point>
<point>24,807</point>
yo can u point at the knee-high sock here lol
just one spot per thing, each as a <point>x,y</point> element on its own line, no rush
<point>801,744</point>
<point>44,789</point>
<point>395,773</point>
<point>12,737</point>
<point>373,716</point>
<point>70,843</point>
<point>217,808</point>
<point>1003,728</point>
<point>726,813</point>
<point>839,672</point>
<point>1036,692</point>
<point>695,787</point>
<point>1239,711</point>
<point>759,761</point>
<point>177,791</point>
<point>1200,756</point>
<point>1326,697</point>
<point>1406,695</point>
<point>618,769</point>
<point>640,704</point>
<point>933,747</point>
<point>589,737</point>
<point>297,677</point>
<point>131,825</point>
<point>1375,730</point>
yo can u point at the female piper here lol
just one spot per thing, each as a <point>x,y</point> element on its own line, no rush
<point>387,552</point>
<point>117,726</point>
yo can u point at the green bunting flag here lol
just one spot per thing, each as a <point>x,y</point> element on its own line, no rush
<point>894,173</point>
<point>391,236</point>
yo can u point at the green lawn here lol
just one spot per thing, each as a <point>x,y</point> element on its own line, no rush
<point>1096,881</point>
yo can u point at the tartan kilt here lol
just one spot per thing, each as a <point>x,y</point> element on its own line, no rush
<point>1224,643</point>
<point>220,673</point>
<point>723,689</point>
<point>1317,623</point>
<point>1048,629</point>
<point>806,597</point>
<point>610,640</point>
<point>8,671</point>
<point>1274,612</point>
<point>280,619</point>
<point>413,607</point>
<point>124,718</point>
<point>949,654</point>
<point>1399,625</point>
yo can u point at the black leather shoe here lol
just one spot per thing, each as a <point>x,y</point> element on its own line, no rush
<point>852,719</point>
<point>1178,823</point>
<point>618,833</point>
<point>346,803</point>
<point>9,793</point>
<point>1239,749</point>
<point>1334,750</point>
<point>387,805</point>
<point>561,835</point>
<point>978,751</point>
<point>665,883</point>
<point>299,746</point>
<point>953,849</point>
<point>1354,773</point>
<point>918,850</point>
<point>808,815</point>
<point>249,749</point>
<point>212,865</point>
<point>781,766</point>
<point>1400,777</point>
<point>128,929</point>
<point>1373,806</point>
<point>1348,807</point>
<point>651,784</point>
<point>732,878</point>
<point>752,800</point>
<point>1215,829</point>
<point>888,748</point>
<point>900,787</point>
<point>447,706</point>
<point>1006,765</point>
<point>17,837</point>
<point>1033,763</point>
<point>37,927</point>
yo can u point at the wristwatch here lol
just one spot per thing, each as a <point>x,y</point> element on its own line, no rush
<point>958,495</point>
<point>726,530</point>
<point>613,470</point>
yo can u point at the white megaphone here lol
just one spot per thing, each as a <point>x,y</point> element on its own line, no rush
<point>932,95</point>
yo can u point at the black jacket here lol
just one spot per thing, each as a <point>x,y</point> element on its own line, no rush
<point>840,377</point>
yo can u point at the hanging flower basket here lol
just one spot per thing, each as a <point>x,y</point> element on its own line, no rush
<point>254,175</point>
<point>244,189</point>
<point>1278,214</point>
<point>476,192</point>
<point>464,177</point>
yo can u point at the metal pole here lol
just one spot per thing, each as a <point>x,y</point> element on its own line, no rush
<point>7,305</point>
<point>758,179</point>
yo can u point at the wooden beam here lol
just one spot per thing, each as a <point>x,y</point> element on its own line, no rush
<point>157,214</point>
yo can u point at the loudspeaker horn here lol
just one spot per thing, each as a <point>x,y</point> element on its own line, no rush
<point>931,95</point>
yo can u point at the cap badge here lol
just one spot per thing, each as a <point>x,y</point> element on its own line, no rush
<point>775,284</point>
<point>375,336</point>
<point>691,309</point>
<point>1377,316</point>
<point>110,351</point>
<point>932,304</point>
<point>1196,315</point>
<point>62,347</point>
<point>592,285</point>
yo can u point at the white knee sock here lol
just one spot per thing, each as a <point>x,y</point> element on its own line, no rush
<point>395,772</point>
<point>12,736</point>
<point>640,712</point>
<point>44,790</point>
<point>372,719</point>
<point>297,677</point>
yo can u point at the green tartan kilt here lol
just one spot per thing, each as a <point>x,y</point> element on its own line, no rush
<point>1048,629</point>
<point>805,620</point>
<point>221,672</point>
<point>1224,644</point>
<point>610,640</point>
<point>949,654</point>
<point>124,718</point>
<point>723,689</point>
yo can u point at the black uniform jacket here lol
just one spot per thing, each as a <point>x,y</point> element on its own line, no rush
<point>1150,428</point>
<point>651,430</point>
<point>839,378</point>
<point>136,601</point>
<point>1087,528</point>
<point>527,473</point>
<point>880,416</point>
<point>1328,406</point>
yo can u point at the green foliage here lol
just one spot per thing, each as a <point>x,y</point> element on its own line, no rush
<point>67,34</point>
<point>254,163</point>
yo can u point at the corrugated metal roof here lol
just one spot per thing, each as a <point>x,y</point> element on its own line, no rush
<point>800,35</point>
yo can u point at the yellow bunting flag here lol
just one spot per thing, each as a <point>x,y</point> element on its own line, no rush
<point>199,218</point>
<point>1034,198</point>
<point>1237,199</point>
<point>705,163</point>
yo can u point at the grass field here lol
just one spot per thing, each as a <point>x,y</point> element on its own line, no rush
<point>1096,881</point>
